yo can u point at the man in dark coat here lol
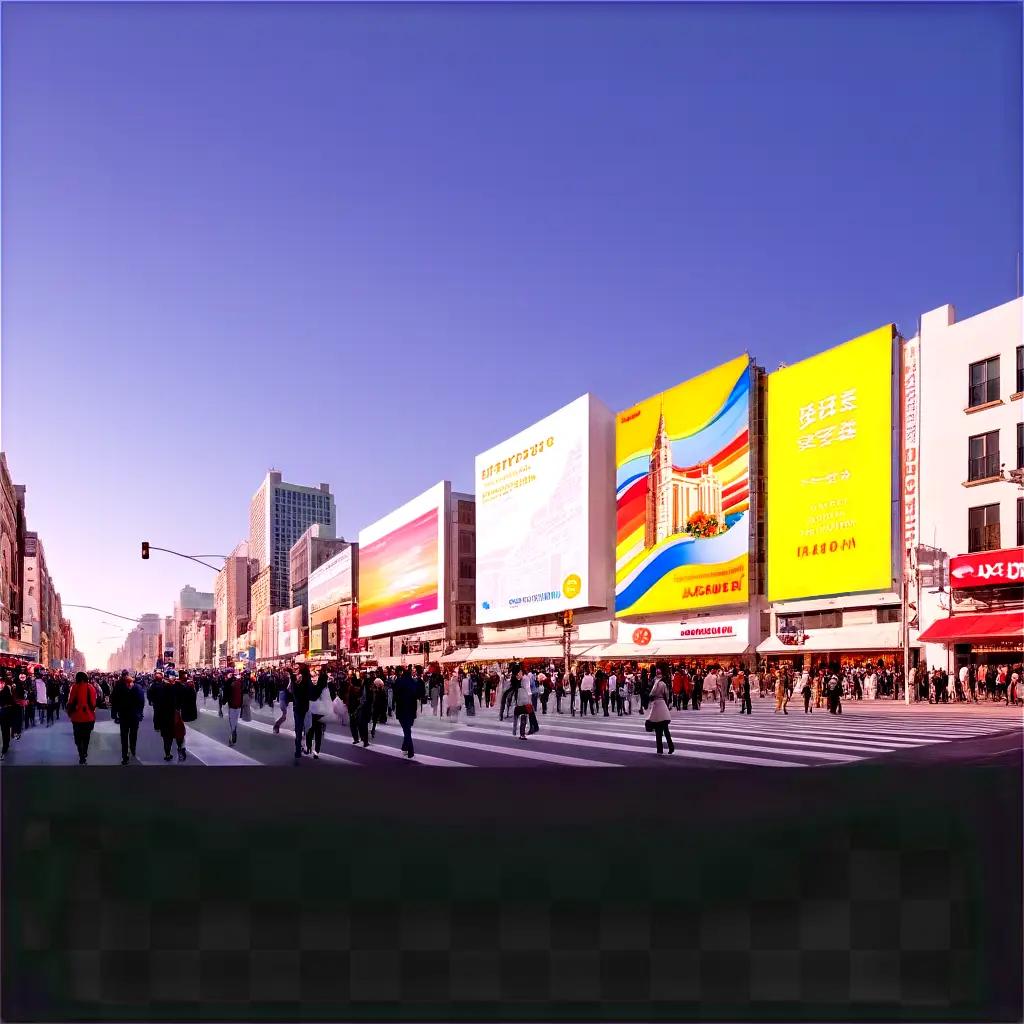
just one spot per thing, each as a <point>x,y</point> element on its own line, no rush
<point>163,696</point>
<point>126,708</point>
<point>302,692</point>
<point>407,694</point>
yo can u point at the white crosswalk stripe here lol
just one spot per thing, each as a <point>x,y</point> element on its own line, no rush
<point>708,737</point>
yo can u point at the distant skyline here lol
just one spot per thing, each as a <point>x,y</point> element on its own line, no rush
<point>361,244</point>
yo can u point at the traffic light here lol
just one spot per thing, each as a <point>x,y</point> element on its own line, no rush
<point>567,619</point>
<point>145,549</point>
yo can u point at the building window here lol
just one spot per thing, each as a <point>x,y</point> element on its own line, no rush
<point>1020,445</point>
<point>467,569</point>
<point>1020,368</point>
<point>1020,522</point>
<point>983,528</point>
<point>889,614</point>
<point>984,382</point>
<point>983,456</point>
<point>810,620</point>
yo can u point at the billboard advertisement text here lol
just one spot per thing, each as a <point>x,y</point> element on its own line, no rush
<point>830,465</point>
<point>534,528</point>
<point>682,492</point>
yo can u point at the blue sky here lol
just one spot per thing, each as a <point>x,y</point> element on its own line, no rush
<point>363,243</point>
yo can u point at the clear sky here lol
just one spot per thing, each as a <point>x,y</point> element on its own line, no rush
<point>362,243</point>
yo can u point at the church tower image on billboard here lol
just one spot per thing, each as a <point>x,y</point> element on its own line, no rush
<point>674,494</point>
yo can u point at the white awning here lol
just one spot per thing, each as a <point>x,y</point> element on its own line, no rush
<point>630,651</point>
<point>457,656</point>
<point>526,649</point>
<point>877,636</point>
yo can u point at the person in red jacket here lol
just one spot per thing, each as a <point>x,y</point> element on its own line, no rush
<point>82,712</point>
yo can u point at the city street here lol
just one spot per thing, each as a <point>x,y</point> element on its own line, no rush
<point>866,731</point>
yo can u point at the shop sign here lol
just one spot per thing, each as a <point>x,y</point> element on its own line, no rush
<point>987,569</point>
<point>675,630</point>
<point>911,372</point>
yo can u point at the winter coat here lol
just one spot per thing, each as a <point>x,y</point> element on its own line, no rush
<point>126,701</point>
<point>164,698</point>
<point>659,711</point>
<point>407,695</point>
<point>82,703</point>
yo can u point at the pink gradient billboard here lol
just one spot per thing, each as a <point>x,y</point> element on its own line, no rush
<point>401,567</point>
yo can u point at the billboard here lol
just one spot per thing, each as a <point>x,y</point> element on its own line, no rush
<point>541,544</point>
<point>682,492</point>
<point>987,569</point>
<point>401,566</point>
<point>830,466</point>
<point>331,584</point>
<point>285,627</point>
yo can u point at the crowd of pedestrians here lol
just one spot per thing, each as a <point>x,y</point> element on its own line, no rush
<point>360,701</point>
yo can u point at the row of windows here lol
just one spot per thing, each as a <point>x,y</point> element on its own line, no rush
<point>829,619</point>
<point>983,380</point>
<point>983,533</point>
<point>983,454</point>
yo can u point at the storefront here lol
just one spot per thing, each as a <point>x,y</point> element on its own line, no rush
<point>878,644</point>
<point>986,620</point>
<point>698,641</point>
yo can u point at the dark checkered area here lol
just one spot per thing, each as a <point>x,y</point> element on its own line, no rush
<point>853,894</point>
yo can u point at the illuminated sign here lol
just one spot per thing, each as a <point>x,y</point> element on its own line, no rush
<point>830,465</point>
<point>683,495</point>
<point>543,542</point>
<point>401,566</point>
<point>987,569</point>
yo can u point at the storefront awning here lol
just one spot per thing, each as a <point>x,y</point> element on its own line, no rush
<point>457,656</point>
<point>990,626</point>
<point>402,659</point>
<point>734,647</point>
<point>880,636</point>
<point>525,650</point>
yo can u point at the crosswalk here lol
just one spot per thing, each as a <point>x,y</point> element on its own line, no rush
<point>866,731</point>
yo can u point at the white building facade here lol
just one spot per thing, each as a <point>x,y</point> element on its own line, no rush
<point>971,410</point>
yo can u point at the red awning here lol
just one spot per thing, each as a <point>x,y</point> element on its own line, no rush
<point>993,626</point>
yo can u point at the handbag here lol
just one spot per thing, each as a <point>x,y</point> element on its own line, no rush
<point>528,709</point>
<point>649,725</point>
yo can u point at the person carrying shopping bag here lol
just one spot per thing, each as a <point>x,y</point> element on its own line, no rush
<point>659,715</point>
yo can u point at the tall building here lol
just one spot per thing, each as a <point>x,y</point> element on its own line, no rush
<point>968,580</point>
<point>10,555</point>
<point>316,546</point>
<point>674,494</point>
<point>231,600</point>
<point>279,513</point>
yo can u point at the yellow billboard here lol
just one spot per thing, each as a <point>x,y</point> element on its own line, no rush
<point>829,471</point>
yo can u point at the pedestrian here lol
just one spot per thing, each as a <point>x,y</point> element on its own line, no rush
<point>745,696</point>
<point>659,716</point>
<point>587,694</point>
<point>455,697</point>
<point>468,693</point>
<point>6,711</point>
<point>319,708</point>
<point>780,696</point>
<point>231,695</point>
<point>358,712</point>
<point>407,694</point>
<point>52,700</point>
<point>127,706</point>
<point>723,690</point>
<point>301,693</point>
<point>82,712</point>
<point>282,703</point>
<point>805,692</point>
<point>523,709</point>
<point>835,691</point>
<point>435,694</point>
<point>42,699</point>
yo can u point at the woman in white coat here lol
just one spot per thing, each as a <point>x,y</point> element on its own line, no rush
<point>659,716</point>
<point>454,693</point>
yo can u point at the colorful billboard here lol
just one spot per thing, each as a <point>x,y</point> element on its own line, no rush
<point>830,467</point>
<point>331,583</point>
<point>542,545</point>
<point>401,566</point>
<point>683,496</point>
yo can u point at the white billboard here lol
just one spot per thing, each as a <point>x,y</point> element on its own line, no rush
<point>544,516</point>
<point>402,566</point>
<point>331,583</point>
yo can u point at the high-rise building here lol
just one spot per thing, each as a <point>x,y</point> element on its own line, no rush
<point>231,600</point>
<point>10,557</point>
<point>279,513</point>
<point>316,546</point>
